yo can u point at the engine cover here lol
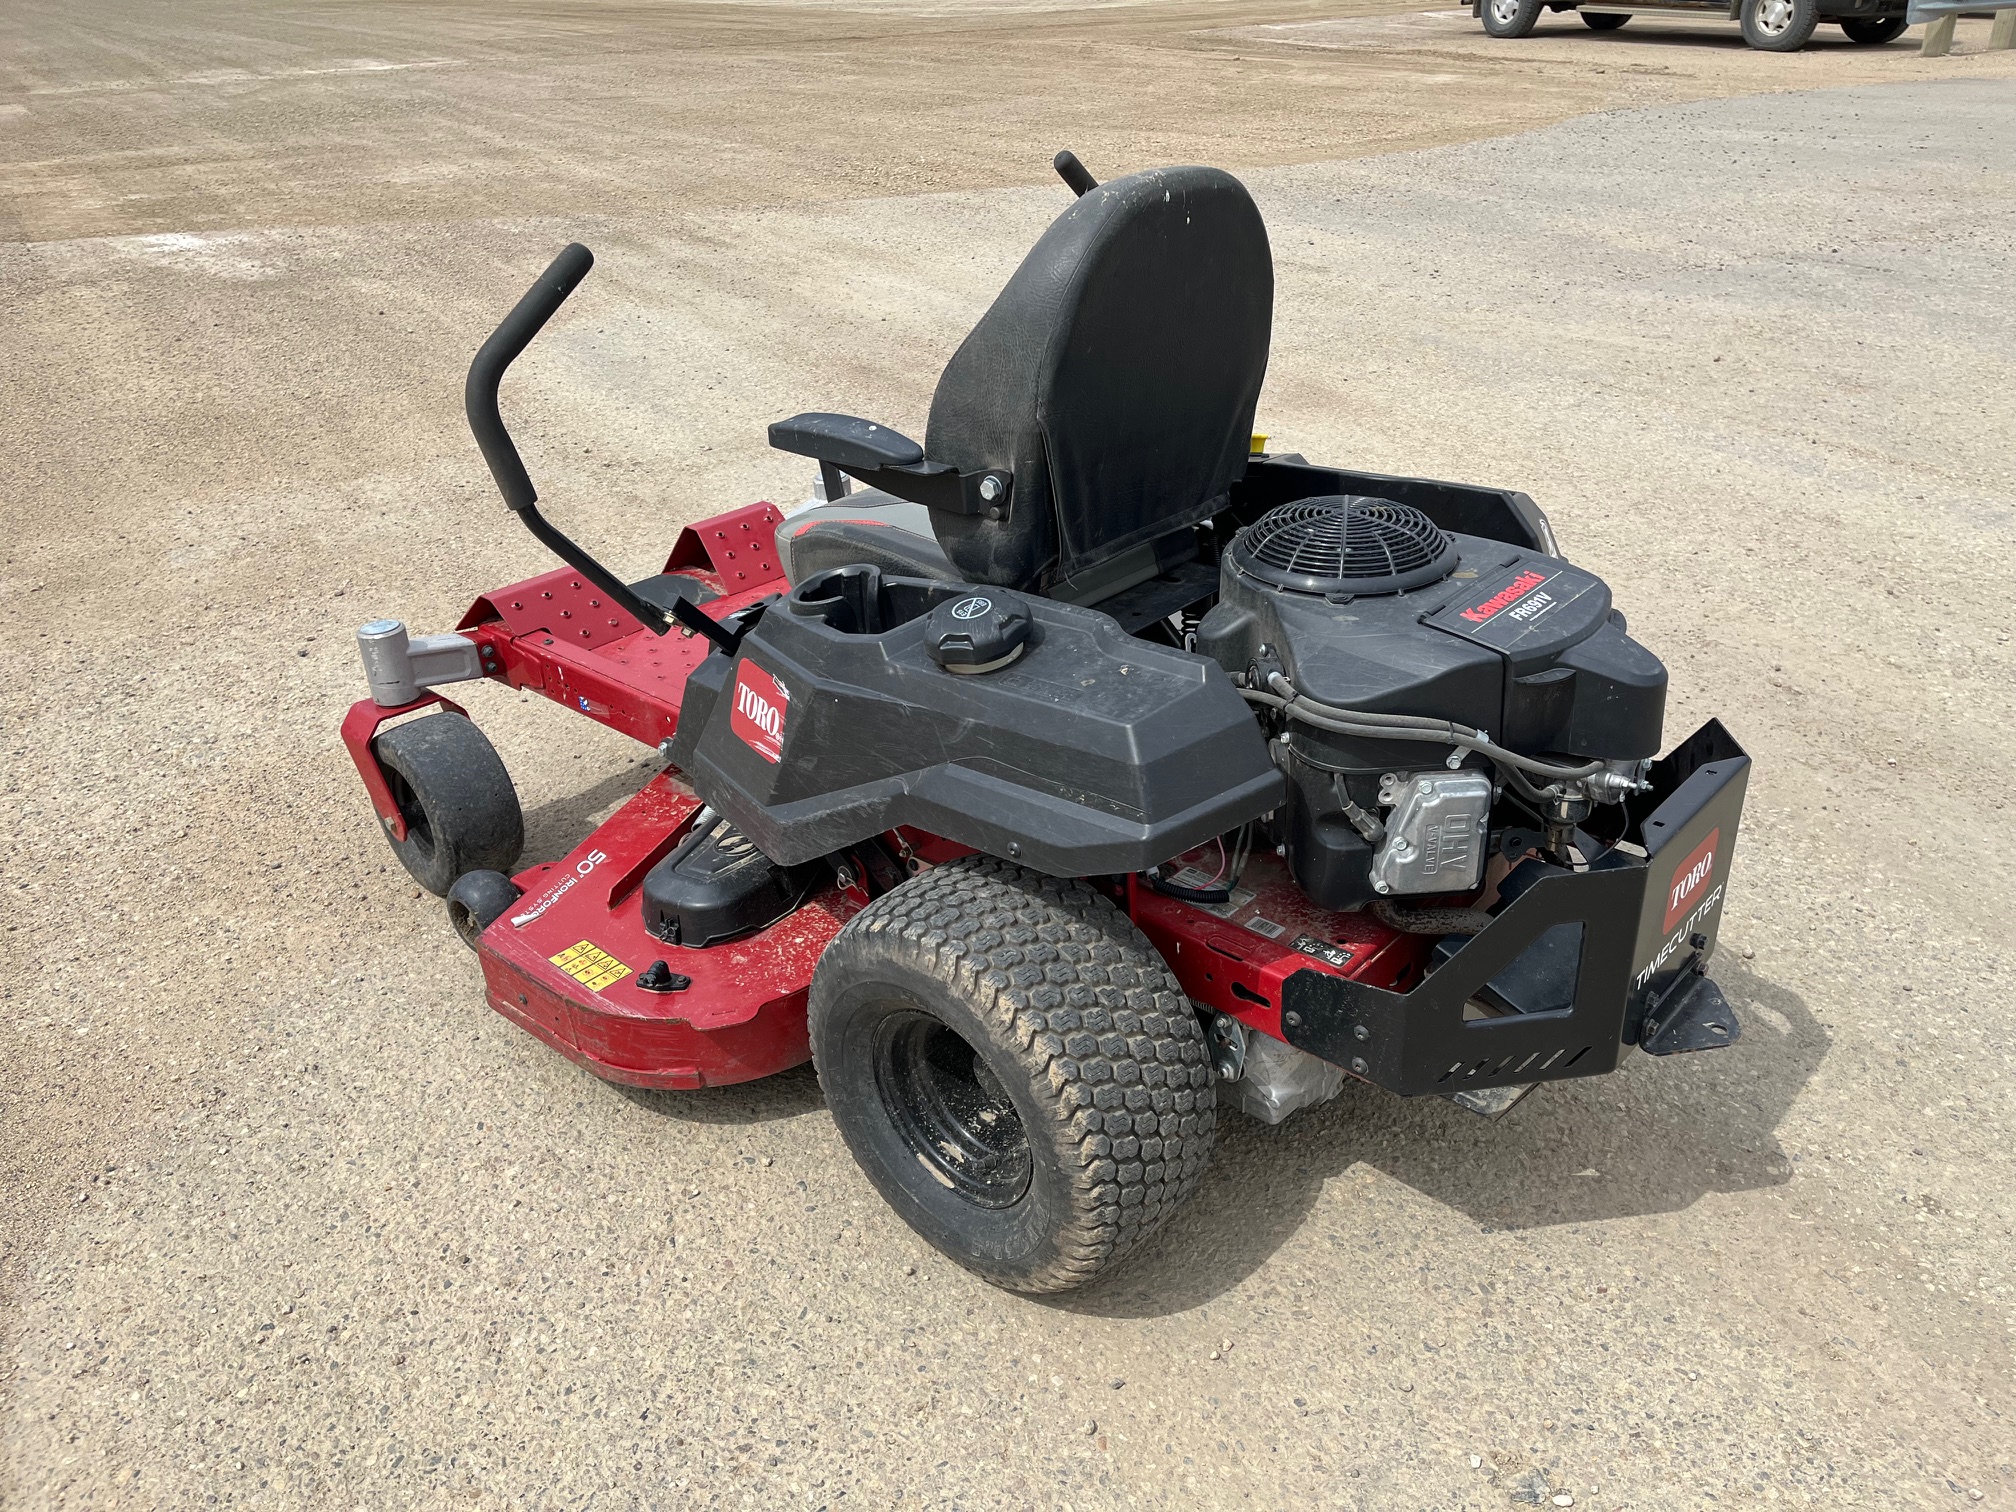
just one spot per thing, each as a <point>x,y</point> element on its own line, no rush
<point>1504,639</point>
<point>1511,641</point>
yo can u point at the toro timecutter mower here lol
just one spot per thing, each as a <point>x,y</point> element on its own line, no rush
<point>1061,780</point>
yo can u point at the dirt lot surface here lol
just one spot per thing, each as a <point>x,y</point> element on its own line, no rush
<point>290,1219</point>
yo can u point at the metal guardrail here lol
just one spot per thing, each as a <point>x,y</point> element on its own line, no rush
<point>1939,16</point>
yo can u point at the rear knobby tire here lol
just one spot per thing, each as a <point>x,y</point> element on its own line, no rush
<point>1602,20</point>
<point>1509,18</point>
<point>460,808</point>
<point>1779,25</point>
<point>1874,31</point>
<point>1015,1068</point>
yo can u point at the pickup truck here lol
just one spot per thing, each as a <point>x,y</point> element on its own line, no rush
<point>1771,25</point>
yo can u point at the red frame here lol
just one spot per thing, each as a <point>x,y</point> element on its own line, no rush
<point>1231,958</point>
<point>743,1017</point>
<point>360,728</point>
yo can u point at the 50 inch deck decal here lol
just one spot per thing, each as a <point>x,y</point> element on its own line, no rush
<point>585,865</point>
<point>591,966</point>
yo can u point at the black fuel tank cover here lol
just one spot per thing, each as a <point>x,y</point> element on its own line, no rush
<point>977,632</point>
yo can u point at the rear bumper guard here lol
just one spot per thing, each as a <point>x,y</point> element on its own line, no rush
<point>1647,926</point>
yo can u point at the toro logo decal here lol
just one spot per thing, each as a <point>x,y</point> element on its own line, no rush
<point>1690,877</point>
<point>761,704</point>
<point>1505,597</point>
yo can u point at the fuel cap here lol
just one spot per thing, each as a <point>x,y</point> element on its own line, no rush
<point>978,632</point>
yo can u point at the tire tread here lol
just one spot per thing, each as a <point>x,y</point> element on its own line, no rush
<point>462,785</point>
<point>1076,995</point>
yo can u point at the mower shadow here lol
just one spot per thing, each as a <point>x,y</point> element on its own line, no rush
<point>1653,1138</point>
<point>788,1094</point>
<point>554,828</point>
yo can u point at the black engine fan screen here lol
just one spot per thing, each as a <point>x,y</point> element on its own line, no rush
<point>1345,544</point>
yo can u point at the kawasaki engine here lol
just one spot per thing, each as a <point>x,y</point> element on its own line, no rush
<point>1427,692</point>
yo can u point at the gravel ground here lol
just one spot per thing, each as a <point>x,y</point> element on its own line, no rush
<point>292,1220</point>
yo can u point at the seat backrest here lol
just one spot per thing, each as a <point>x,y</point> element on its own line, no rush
<point>1116,376</point>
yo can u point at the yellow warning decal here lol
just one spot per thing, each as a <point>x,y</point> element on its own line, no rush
<point>592,968</point>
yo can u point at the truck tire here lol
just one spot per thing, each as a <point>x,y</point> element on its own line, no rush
<point>1016,1070</point>
<point>1602,20</point>
<point>1779,25</point>
<point>460,808</point>
<point>1509,18</point>
<point>1874,31</point>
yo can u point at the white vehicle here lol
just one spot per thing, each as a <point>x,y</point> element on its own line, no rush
<point>1771,25</point>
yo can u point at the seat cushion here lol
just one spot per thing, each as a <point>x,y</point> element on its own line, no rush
<point>885,533</point>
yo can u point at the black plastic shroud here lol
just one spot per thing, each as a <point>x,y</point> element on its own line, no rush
<point>1091,752</point>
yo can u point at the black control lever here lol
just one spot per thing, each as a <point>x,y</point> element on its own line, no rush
<point>479,397</point>
<point>1073,173</point>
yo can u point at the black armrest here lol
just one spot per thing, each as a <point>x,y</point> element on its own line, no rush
<point>845,441</point>
<point>891,461</point>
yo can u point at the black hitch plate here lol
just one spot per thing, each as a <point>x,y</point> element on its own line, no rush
<point>1695,1017</point>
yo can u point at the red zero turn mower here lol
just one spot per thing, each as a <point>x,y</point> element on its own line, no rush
<point>1056,782</point>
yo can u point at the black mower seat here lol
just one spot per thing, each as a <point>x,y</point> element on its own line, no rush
<point>1103,403</point>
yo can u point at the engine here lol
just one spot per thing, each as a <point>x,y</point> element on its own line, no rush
<point>1425,691</point>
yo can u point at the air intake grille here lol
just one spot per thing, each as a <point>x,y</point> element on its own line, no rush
<point>1345,544</point>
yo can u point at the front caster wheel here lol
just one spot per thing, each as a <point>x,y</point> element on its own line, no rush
<point>460,809</point>
<point>1015,1069</point>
